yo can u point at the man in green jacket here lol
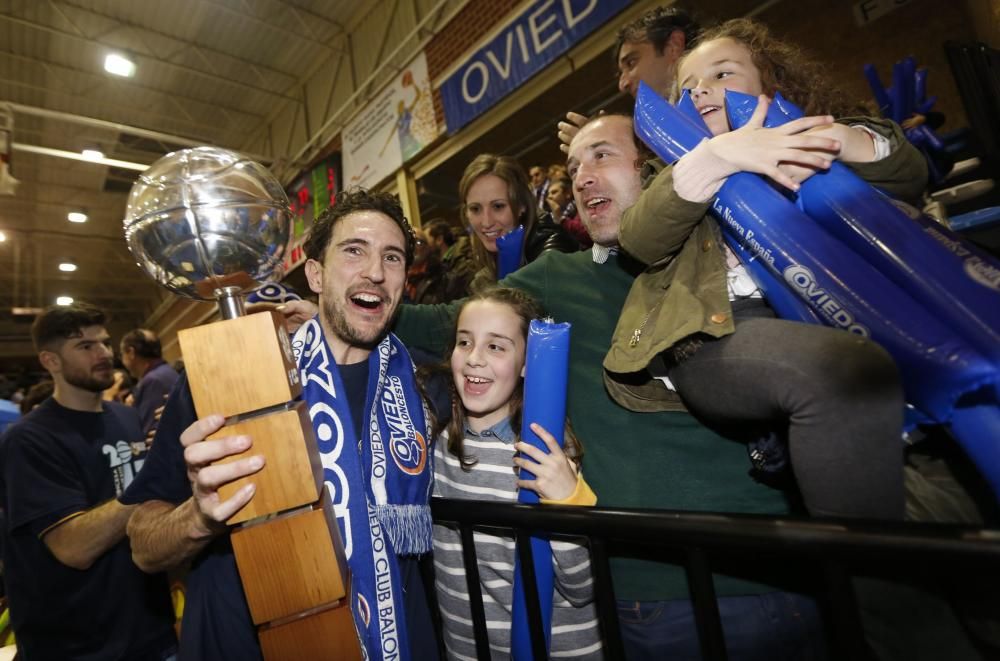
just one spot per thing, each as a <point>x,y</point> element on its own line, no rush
<point>661,460</point>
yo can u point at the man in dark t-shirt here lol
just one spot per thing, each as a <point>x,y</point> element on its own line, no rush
<point>73,588</point>
<point>358,252</point>
<point>142,356</point>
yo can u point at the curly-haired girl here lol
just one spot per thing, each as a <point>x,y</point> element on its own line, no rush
<point>696,318</point>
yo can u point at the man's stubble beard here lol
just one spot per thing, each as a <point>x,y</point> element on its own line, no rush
<point>605,234</point>
<point>337,321</point>
<point>89,382</point>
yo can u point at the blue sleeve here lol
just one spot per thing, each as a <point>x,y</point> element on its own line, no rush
<point>146,402</point>
<point>151,393</point>
<point>438,391</point>
<point>164,474</point>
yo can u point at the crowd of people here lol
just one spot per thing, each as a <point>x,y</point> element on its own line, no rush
<point>496,197</point>
<point>678,362</point>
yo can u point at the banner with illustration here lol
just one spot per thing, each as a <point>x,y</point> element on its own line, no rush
<point>392,128</point>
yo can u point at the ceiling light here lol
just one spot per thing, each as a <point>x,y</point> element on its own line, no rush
<point>76,217</point>
<point>68,267</point>
<point>119,65</point>
<point>3,237</point>
<point>64,300</point>
<point>92,154</point>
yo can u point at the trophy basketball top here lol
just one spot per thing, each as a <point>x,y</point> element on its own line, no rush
<point>207,223</point>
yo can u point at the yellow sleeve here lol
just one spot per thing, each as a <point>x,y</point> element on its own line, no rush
<point>582,495</point>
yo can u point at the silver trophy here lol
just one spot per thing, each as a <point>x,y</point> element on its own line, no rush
<point>208,224</point>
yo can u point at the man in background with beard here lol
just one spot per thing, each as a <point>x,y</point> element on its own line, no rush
<point>73,588</point>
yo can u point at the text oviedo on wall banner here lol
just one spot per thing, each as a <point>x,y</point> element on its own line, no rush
<point>532,40</point>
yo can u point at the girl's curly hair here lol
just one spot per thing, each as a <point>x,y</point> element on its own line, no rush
<point>785,68</point>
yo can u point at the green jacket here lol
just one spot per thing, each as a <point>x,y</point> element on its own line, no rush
<point>683,289</point>
<point>665,461</point>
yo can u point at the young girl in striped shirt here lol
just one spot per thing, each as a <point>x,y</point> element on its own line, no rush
<point>477,458</point>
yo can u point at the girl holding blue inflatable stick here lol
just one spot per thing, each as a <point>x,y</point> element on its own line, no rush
<point>475,459</point>
<point>839,392</point>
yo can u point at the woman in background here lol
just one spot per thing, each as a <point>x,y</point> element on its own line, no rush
<point>496,198</point>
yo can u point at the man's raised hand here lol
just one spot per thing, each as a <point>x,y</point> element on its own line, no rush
<point>207,477</point>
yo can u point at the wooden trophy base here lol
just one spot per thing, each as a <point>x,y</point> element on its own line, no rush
<point>292,475</point>
<point>324,636</point>
<point>292,562</point>
<point>287,544</point>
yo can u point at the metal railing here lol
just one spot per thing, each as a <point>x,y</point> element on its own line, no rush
<point>833,550</point>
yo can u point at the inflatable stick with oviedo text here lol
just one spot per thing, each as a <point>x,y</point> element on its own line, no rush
<point>941,368</point>
<point>932,263</point>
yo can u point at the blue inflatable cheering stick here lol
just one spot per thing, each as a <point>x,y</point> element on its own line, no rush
<point>935,265</point>
<point>545,375</point>
<point>510,250</point>
<point>951,278</point>
<point>906,100</point>
<point>785,303</point>
<point>835,283</point>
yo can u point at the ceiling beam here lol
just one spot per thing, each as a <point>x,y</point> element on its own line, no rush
<point>77,156</point>
<point>97,295</point>
<point>181,67</point>
<point>130,110</point>
<point>121,128</point>
<point>92,258</point>
<point>302,11</point>
<point>29,185</point>
<point>117,238</point>
<point>123,85</point>
<point>74,278</point>
<point>271,25</point>
<point>199,49</point>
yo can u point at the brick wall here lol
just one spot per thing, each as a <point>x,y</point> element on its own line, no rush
<point>467,27</point>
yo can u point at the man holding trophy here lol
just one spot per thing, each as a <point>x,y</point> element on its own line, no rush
<point>371,428</point>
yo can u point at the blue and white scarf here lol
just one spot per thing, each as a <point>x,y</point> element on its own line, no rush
<point>273,292</point>
<point>379,480</point>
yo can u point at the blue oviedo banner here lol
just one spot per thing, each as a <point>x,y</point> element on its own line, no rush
<point>540,34</point>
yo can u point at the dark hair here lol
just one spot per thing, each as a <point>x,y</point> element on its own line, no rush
<point>526,308</point>
<point>58,323</point>
<point>565,182</point>
<point>351,201</point>
<point>440,229</point>
<point>656,26</point>
<point>144,342</point>
<point>644,152</point>
<point>785,68</point>
<point>37,394</point>
<point>519,196</point>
